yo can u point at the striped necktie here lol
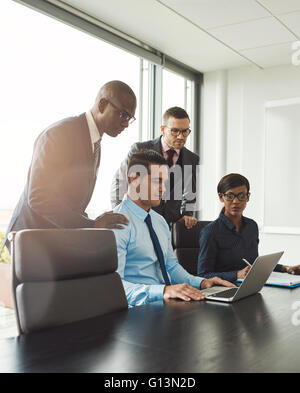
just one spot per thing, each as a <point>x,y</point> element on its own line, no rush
<point>97,151</point>
<point>157,249</point>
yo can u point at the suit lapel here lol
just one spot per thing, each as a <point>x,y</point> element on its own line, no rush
<point>87,157</point>
<point>157,145</point>
<point>85,140</point>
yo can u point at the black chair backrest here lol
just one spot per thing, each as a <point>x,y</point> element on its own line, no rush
<point>186,244</point>
<point>64,275</point>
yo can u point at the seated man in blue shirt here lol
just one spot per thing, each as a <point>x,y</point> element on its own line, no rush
<point>146,262</point>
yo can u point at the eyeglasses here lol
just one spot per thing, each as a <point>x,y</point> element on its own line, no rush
<point>123,115</point>
<point>241,196</point>
<point>176,132</point>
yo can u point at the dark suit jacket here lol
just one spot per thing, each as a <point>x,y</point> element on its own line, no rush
<point>172,210</point>
<point>60,180</point>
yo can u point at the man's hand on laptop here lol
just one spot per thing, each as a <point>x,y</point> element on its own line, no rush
<point>210,282</point>
<point>182,291</point>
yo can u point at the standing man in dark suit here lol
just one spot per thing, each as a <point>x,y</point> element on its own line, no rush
<point>179,203</point>
<point>65,162</point>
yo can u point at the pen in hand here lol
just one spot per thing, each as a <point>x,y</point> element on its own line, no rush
<point>248,263</point>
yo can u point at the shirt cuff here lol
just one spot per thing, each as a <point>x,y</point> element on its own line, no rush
<point>156,292</point>
<point>196,281</point>
<point>278,268</point>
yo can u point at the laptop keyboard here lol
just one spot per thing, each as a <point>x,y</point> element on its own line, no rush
<point>228,293</point>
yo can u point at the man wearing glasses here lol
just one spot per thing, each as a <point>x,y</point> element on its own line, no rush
<point>179,201</point>
<point>65,162</point>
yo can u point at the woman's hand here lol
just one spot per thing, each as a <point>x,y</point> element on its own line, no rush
<point>241,274</point>
<point>291,269</point>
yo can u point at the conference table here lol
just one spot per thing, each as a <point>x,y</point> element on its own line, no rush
<point>257,334</point>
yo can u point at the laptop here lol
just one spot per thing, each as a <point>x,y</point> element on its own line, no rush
<point>252,283</point>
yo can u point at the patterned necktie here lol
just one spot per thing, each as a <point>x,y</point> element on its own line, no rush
<point>97,149</point>
<point>157,249</point>
<point>170,154</point>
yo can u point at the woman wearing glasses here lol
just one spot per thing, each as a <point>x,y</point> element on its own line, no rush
<point>232,238</point>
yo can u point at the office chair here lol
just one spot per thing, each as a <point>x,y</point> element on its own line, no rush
<point>186,244</point>
<point>61,276</point>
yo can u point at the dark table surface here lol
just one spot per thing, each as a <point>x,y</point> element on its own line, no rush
<point>258,334</point>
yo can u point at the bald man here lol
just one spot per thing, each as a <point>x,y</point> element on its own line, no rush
<point>65,162</point>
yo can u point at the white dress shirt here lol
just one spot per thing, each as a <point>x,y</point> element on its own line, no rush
<point>94,132</point>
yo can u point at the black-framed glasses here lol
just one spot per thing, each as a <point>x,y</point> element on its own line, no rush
<point>176,132</point>
<point>123,115</point>
<point>241,196</point>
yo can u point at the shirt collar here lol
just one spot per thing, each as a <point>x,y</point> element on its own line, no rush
<point>228,223</point>
<point>94,132</point>
<point>135,209</point>
<point>165,147</point>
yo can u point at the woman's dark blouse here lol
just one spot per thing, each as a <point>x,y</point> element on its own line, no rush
<point>222,248</point>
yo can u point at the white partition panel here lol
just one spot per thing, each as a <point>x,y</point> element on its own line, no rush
<point>282,166</point>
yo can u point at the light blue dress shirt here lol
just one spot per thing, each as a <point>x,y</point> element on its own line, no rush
<point>138,265</point>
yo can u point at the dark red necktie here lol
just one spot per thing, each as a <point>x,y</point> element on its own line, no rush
<point>170,154</point>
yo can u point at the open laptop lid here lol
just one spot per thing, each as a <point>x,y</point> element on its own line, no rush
<point>255,279</point>
<point>258,275</point>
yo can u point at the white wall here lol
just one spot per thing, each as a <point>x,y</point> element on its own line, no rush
<point>234,141</point>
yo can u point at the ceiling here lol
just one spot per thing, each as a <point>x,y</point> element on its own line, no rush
<point>206,35</point>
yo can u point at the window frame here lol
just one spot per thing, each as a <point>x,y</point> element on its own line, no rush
<point>157,61</point>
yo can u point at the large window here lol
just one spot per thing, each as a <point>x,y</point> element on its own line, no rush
<point>50,71</point>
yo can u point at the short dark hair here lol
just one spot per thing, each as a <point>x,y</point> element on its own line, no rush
<point>231,181</point>
<point>176,112</point>
<point>144,158</point>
